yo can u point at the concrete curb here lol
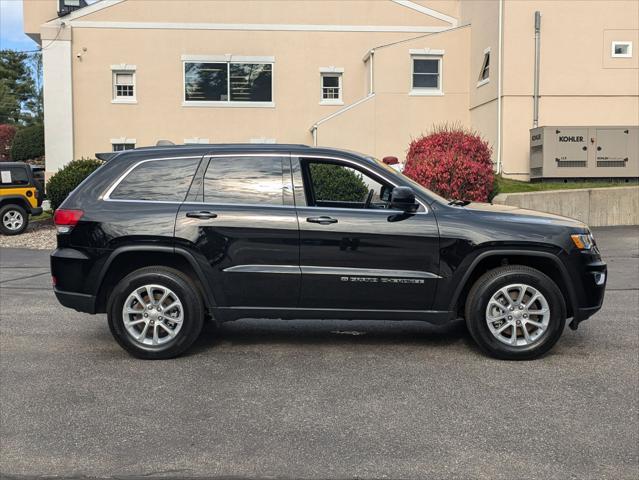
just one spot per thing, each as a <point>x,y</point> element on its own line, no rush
<point>597,207</point>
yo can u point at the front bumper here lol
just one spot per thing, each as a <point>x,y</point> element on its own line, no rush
<point>594,277</point>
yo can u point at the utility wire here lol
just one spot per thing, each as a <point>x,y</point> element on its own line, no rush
<point>45,46</point>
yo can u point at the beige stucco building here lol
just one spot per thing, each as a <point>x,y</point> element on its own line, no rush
<point>361,75</point>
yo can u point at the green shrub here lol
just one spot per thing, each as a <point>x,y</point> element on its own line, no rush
<point>67,178</point>
<point>333,182</point>
<point>28,143</point>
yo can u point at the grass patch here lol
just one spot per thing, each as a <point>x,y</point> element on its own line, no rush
<point>43,216</point>
<point>506,185</point>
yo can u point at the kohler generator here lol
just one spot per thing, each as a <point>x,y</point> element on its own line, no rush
<point>584,152</point>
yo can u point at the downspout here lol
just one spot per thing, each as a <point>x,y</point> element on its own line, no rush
<point>499,84</point>
<point>371,86</point>
<point>537,57</point>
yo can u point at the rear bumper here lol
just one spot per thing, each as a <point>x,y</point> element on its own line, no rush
<point>81,302</point>
<point>36,210</point>
<point>70,271</point>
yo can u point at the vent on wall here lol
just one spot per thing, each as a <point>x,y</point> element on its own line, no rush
<point>612,163</point>
<point>570,163</point>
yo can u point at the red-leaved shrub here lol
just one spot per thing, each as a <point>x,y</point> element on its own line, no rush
<point>452,162</point>
<point>7,132</point>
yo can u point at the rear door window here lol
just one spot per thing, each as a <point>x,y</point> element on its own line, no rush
<point>13,177</point>
<point>157,180</point>
<point>252,180</point>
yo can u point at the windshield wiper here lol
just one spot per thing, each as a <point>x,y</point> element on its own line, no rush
<point>459,203</point>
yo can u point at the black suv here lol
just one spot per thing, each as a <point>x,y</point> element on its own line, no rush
<point>163,238</point>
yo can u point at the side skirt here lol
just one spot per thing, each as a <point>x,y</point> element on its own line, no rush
<point>225,314</point>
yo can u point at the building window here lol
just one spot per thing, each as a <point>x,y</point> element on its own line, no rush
<point>426,75</point>
<point>228,83</point>
<point>121,146</point>
<point>123,86</point>
<point>622,49</point>
<point>484,74</point>
<point>331,86</point>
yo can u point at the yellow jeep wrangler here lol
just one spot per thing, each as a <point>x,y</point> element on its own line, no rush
<point>20,196</point>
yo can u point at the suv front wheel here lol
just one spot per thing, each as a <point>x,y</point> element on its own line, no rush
<point>515,312</point>
<point>155,313</point>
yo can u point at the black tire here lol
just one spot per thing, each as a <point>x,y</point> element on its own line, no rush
<point>16,209</point>
<point>189,297</point>
<point>488,285</point>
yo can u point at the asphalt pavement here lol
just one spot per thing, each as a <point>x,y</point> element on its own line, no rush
<point>318,399</point>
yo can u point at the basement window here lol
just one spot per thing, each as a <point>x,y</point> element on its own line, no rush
<point>426,75</point>
<point>121,145</point>
<point>621,49</point>
<point>484,73</point>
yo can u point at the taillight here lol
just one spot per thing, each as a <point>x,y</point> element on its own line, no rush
<point>65,219</point>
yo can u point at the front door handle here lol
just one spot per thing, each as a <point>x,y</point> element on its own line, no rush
<point>323,220</point>
<point>204,215</point>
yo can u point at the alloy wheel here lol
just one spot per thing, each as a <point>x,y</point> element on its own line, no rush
<point>13,220</point>
<point>518,315</point>
<point>153,315</point>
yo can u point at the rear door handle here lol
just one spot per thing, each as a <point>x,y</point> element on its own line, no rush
<point>322,220</point>
<point>202,215</point>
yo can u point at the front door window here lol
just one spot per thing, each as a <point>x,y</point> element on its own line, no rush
<point>341,186</point>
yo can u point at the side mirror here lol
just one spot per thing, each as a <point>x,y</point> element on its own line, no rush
<point>403,198</point>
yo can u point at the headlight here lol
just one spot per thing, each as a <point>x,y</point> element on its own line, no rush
<point>583,241</point>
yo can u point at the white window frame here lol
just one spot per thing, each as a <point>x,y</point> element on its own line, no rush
<point>196,141</point>
<point>621,55</point>
<point>486,80</point>
<point>123,69</point>
<point>427,54</point>
<point>332,72</point>
<point>121,141</point>
<point>262,140</point>
<point>228,58</point>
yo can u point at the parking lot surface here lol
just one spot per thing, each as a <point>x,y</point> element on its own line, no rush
<point>316,399</point>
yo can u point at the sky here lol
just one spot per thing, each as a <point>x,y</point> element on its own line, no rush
<point>11,34</point>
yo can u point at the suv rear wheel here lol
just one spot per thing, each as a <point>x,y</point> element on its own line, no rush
<point>155,313</point>
<point>515,312</point>
<point>13,219</point>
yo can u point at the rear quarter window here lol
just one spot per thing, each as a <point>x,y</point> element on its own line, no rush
<point>157,180</point>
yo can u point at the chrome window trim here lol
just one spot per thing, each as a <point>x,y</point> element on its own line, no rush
<point>284,153</point>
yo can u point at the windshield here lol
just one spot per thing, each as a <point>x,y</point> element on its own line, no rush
<point>416,186</point>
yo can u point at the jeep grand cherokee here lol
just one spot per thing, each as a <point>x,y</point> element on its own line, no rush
<point>162,239</point>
